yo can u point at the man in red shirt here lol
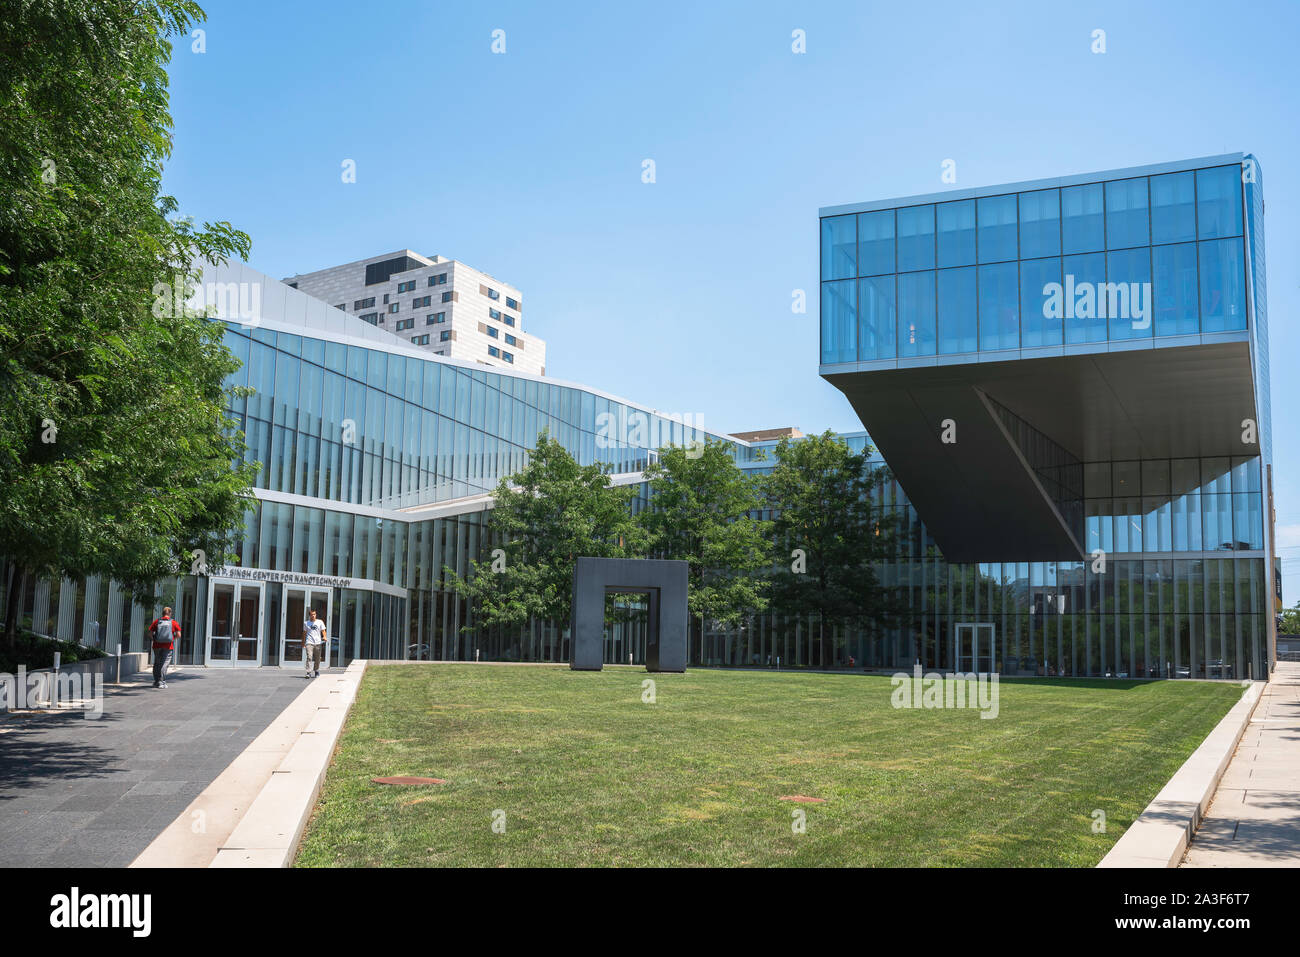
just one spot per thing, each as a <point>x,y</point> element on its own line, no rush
<point>164,631</point>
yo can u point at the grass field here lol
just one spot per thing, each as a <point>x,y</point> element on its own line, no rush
<point>589,774</point>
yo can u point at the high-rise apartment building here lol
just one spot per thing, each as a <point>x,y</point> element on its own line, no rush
<point>437,304</point>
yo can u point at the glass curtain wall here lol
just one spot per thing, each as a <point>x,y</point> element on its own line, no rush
<point>1120,259</point>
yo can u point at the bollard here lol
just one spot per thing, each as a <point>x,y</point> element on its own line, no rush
<point>54,685</point>
<point>119,663</point>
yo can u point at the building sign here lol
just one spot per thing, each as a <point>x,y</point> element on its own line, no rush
<point>239,573</point>
<point>288,578</point>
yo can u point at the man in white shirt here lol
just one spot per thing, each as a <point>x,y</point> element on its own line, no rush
<point>314,637</point>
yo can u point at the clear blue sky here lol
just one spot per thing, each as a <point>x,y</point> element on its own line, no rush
<point>677,294</point>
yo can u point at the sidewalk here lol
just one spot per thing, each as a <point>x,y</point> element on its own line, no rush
<point>79,793</point>
<point>1254,820</point>
<point>253,814</point>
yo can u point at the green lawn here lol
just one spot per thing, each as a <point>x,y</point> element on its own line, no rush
<point>588,774</point>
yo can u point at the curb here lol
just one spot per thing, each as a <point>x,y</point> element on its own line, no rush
<point>268,834</point>
<point>254,813</point>
<point>1160,835</point>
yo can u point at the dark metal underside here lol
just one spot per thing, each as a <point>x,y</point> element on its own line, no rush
<point>980,497</point>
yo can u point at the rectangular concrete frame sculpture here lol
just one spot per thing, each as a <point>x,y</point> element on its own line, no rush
<point>665,584</point>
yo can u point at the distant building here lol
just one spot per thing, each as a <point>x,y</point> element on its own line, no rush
<point>768,435</point>
<point>437,304</point>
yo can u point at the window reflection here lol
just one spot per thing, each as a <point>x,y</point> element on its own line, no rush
<point>1218,202</point>
<point>839,247</point>
<point>1173,208</point>
<point>1223,286</point>
<point>915,238</point>
<point>916,314</point>
<point>958,316</point>
<point>1083,225</point>
<point>1126,213</point>
<point>999,306</point>
<point>1038,327</point>
<point>1137,230</point>
<point>956,225</point>
<point>875,243</point>
<point>876,314</point>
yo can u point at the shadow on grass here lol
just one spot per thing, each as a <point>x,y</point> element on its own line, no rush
<point>1106,684</point>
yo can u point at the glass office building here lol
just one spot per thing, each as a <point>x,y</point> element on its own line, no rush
<point>966,276</point>
<point>1068,380</point>
<point>377,464</point>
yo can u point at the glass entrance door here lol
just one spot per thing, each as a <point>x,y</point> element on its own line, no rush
<point>974,650</point>
<point>221,623</point>
<point>248,643</point>
<point>234,624</point>
<point>297,601</point>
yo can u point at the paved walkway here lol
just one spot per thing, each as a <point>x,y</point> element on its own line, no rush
<point>1254,820</point>
<point>94,793</point>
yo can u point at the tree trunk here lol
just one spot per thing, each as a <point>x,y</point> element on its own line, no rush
<point>17,586</point>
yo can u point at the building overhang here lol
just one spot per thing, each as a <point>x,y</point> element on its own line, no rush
<point>979,493</point>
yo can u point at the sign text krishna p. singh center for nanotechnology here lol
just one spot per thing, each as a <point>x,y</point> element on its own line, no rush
<point>302,578</point>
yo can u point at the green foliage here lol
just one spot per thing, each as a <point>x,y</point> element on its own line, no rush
<point>1289,621</point>
<point>699,514</point>
<point>34,651</point>
<point>822,491</point>
<point>115,453</point>
<point>544,517</point>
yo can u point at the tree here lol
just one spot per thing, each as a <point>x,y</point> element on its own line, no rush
<point>834,538</point>
<point>699,514</point>
<point>115,451</point>
<point>1288,623</point>
<point>543,518</point>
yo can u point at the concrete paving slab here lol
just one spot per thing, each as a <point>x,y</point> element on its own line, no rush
<point>1241,775</point>
<point>1254,819</point>
<point>96,792</point>
<point>254,811</point>
<point>248,858</point>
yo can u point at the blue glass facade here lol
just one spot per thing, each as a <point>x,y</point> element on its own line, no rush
<point>423,431</point>
<point>349,436</point>
<point>991,260</point>
<point>1186,587</point>
<point>1167,605</point>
